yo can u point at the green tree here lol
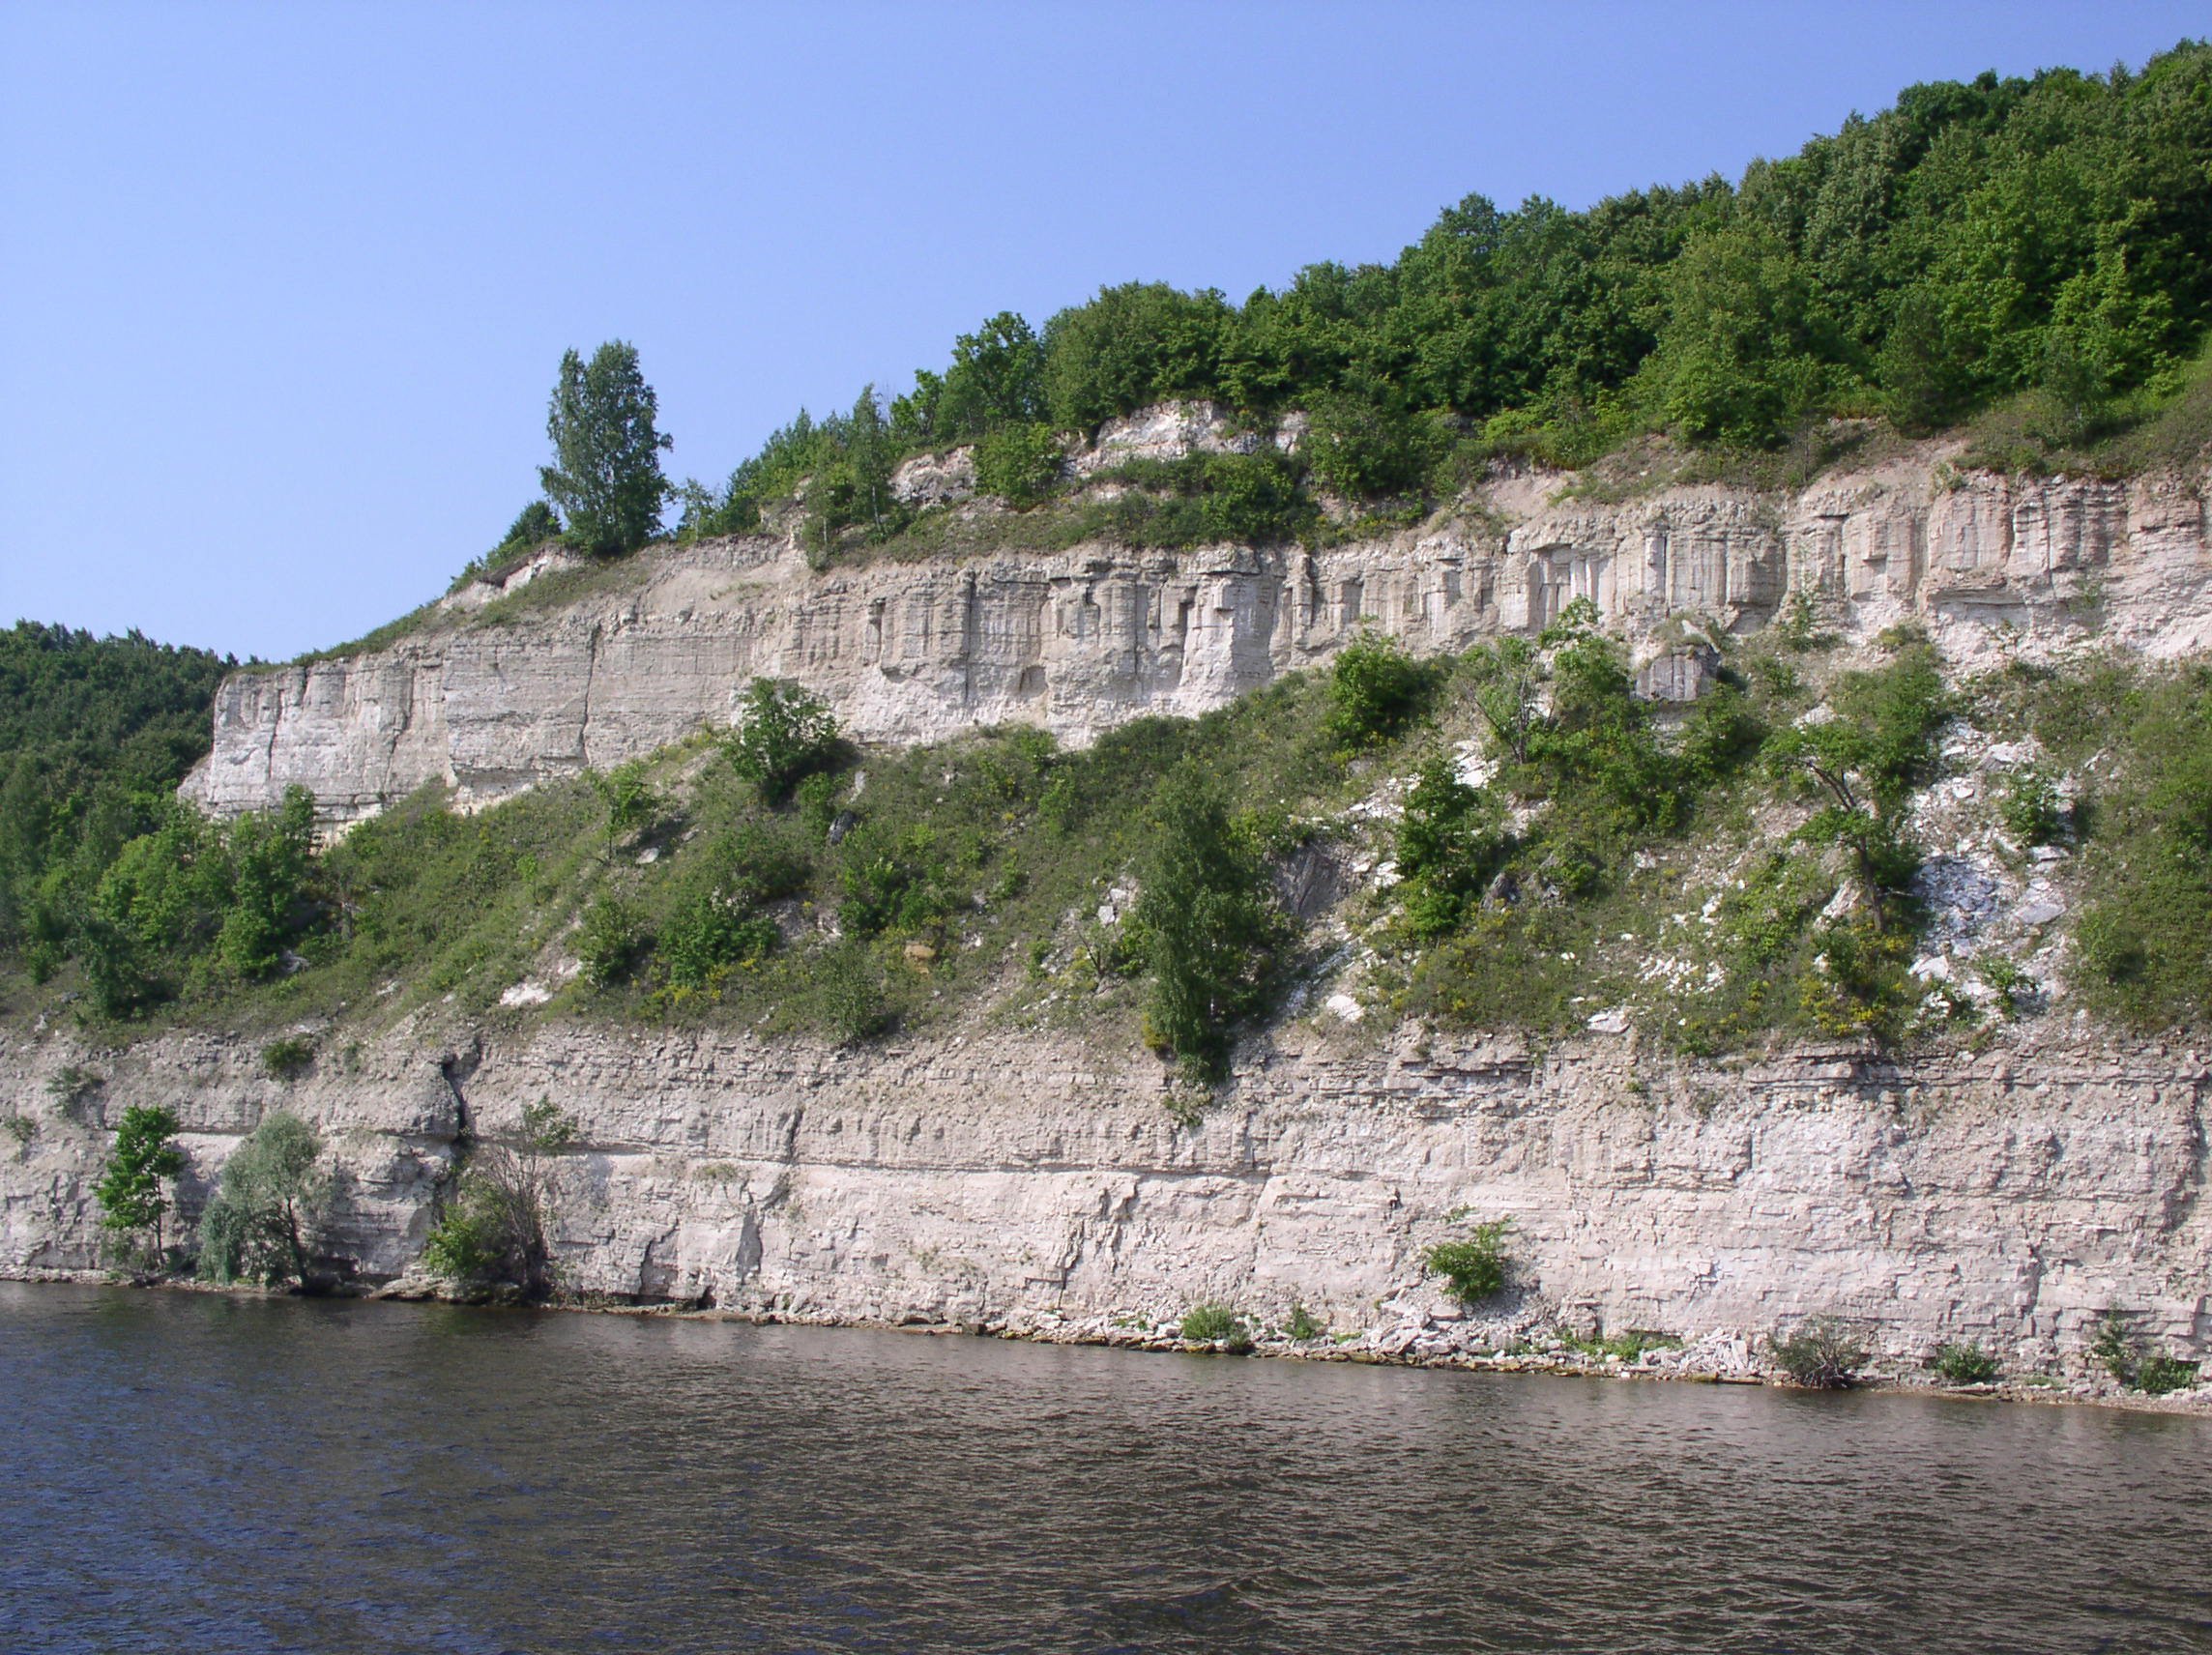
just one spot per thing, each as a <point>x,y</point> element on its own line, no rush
<point>261,1221</point>
<point>1211,929</point>
<point>783,735</point>
<point>130,1188</point>
<point>1019,464</point>
<point>605,475</point>
<point>270,858</point>
<point>497,1229</point>
<point>997,379</point>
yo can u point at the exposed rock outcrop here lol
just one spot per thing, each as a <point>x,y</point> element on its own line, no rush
<point>2010,1196</point>
<point>1082,640</point>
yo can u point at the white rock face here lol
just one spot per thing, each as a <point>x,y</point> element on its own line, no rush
<point>1082,640</point>
<point>2009,1197</point>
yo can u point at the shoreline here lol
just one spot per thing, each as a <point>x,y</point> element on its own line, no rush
<point>2053,1390</point>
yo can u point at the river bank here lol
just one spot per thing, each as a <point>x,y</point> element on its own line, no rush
<point>1545,1351</point>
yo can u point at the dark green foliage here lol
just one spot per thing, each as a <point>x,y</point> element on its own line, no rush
<point>1214,932</point>
<point>1450,843</point>
<point>1132,345</point>
<point>1965,1364</point>
<point>289,1058</point>
<point>1360,447</point>
<point>187,905</point>
<point>2029,247</point>
<point>853,490</point>
<point>261,1223</point>
<point>1476,1268</point>
<point>633,807</point>
<point>145,1152</point>
<point>783,735</point>
<point>1863,764</point>
<point>95,734</point>
<point>2029,809</point>
<point>2145,930</point>
<point>1597,748</point>
<point>612,942</point>
<point>605,475</point>
<point>1823,1355</point>
<point>1215,1323</point>
<point>1018,463</point>
<point>2158,1374</point>
<point>533,525</point>
<point>996,383</point>
<point>496,1229</point>
<point>1375,691</point>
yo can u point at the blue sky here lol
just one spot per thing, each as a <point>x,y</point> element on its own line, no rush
<point>282,288</point>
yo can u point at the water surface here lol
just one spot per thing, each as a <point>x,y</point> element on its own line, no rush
<point>188,1472</point>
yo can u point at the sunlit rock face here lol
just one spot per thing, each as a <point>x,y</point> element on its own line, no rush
<point>495,694</point>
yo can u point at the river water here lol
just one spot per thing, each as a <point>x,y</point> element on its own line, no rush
<point>202,1473</point>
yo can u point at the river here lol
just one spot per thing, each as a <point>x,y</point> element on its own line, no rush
<point>206,1473</point>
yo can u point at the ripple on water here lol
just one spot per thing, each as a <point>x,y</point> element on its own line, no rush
<point>240,1475</point>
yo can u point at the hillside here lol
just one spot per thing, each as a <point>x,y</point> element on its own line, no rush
<point>1685,727</point>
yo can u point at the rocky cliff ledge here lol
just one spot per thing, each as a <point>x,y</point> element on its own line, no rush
<point>2010,1196</point>
<point>492,695</point>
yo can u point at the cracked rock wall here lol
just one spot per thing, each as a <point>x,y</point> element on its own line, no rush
<point>2009,1197</point>
<point>1080,640</point>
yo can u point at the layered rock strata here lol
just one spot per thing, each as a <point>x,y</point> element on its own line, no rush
<point>2012,1197</point>
<point>490,704</point>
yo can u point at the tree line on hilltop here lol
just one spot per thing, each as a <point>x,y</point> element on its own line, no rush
<point>2005,238</point>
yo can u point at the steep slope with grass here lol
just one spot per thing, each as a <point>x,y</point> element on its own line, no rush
<point>1357,816</point>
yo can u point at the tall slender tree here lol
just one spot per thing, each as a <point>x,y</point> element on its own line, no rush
<point>605,475</point>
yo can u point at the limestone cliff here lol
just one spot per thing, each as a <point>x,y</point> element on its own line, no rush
<point>490,696</point>
<point>2010,1196</point>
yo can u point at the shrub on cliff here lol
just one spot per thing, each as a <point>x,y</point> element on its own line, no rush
<point>2145,932</point>
<point>262,1220</point>
<point>1476,1267</point>
<point>783,735</point>
<point>1018,463</point>
<point>1376,691</point>
<point>496,1230</point>
<point>1822,1355</point>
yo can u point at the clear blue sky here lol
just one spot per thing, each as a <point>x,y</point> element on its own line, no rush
<point>283,287</point>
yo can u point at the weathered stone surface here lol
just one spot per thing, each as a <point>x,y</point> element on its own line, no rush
<point>1080,640</point>
<point>2009,1197</point>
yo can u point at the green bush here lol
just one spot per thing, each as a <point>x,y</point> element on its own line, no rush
<point>1376,691</point>
<point>1215,1323</point>
<point>632,805</point>
<point>1824,1353</point>
<point>605,475</point>
<point>2029,809</point>
<point>496,1230</point>
<point>288,1057</point>
<point>783,735</point>
<point>1214,934</point>
<point>261,1223</point>
<point>2158,1374</point>
<point>1449,845</point>
<point>1362,448</point>
<point>130,1188</point>
<point>1018,463</point>
<point>612,942</point>
<point>1476,1268</point>
<point>2148,886</point>
<point>1965,1364</point>
<point>712,935</point>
